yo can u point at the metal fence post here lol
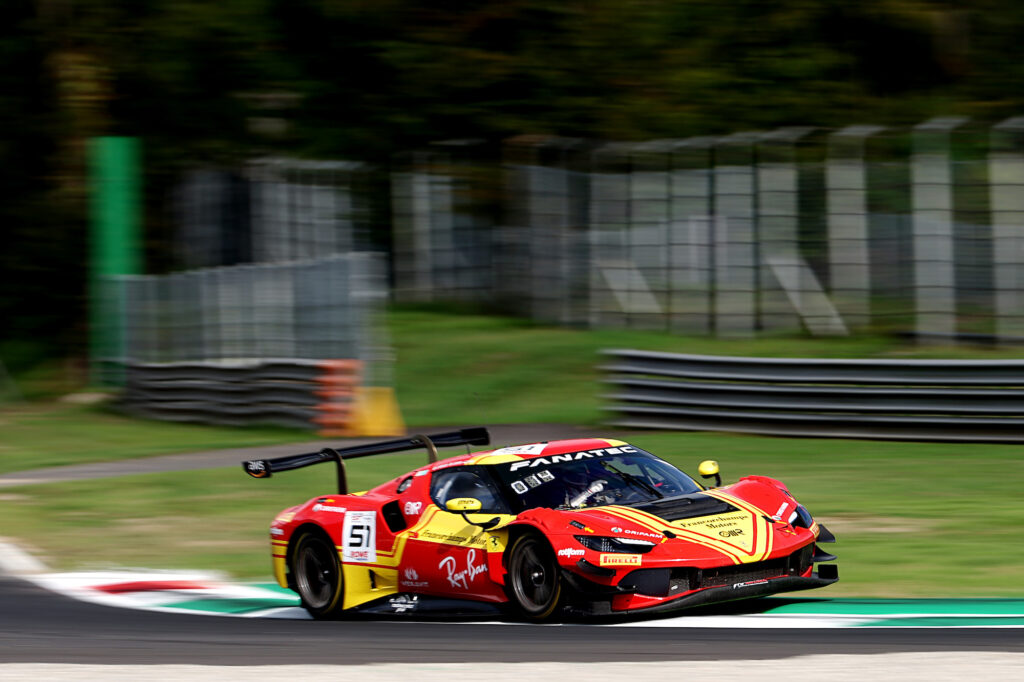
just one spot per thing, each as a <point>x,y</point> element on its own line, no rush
<point>848,243</point>
<point>613,276</point>
<point>649,197</point>
<point>736,261</point>
<point>1006,195</point>
<point>690,253</point>
<point>934,278</point>
<point>780,285</point>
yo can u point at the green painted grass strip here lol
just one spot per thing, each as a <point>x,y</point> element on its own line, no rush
<point>274,587</point>
<point>233,605</point>
<point>889,607</point>
<point>952,621</point>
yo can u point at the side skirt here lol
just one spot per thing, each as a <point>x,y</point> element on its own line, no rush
<point>421,606</point>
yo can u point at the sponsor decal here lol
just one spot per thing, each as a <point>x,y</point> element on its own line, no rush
<point>570,457</point>
<point>495,543</point>
<point>576,524</point>
<point>637,533</point>
<point>619,560</point>
<point>782,510</point>
<point>748,583</point>
<point>359,537</point>
<point>729,520</point>
<point>569,552</point>
<point>730,533</point>
<point>453,539</point>
<point>329,508</point>
<point>410,578</point>
<point>531,449</point>
<point>404,603</point>
<point>463,578</point>
<point>257,468</point>
<point>413,508</point>
<point>276,531</point>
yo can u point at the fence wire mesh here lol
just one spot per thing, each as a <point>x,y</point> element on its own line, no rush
<point>311,309</point>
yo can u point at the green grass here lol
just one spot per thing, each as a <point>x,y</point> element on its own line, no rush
<point>37,435</point>
<point>913,519</point>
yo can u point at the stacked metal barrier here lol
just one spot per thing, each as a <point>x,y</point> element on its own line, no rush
<point>955,400</point>
<point>304,394</point>
<point>290,344</point>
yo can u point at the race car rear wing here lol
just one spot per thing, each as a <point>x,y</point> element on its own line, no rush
<point>264,468</point>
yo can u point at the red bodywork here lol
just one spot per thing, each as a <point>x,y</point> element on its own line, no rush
<point>394,540</point>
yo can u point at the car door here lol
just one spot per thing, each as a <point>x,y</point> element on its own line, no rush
<point>447,555</point>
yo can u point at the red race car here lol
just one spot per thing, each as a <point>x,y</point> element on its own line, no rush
<point>569,528</point>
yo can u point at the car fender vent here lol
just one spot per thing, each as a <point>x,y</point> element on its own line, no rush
<point>393,517</point>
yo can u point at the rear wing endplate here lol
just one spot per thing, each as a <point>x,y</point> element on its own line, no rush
<point>264,468</point>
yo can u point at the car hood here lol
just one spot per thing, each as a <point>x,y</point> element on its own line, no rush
<point>716,522</point>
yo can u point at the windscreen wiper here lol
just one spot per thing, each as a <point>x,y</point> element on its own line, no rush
<point>630,478</point>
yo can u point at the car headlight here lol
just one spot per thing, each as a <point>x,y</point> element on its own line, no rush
<point>800,517</point>
<point>619,545</point>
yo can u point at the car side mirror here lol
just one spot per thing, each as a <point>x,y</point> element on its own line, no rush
<point>461,505</point>
<point>709,468</point>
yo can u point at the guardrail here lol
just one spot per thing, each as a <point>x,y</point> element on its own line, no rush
<point>297,393</point>
<point>949,400</point>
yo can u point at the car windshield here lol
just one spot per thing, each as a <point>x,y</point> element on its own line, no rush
<point>618,475</point>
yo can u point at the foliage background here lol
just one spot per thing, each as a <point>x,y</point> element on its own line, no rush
<point>202,82</point>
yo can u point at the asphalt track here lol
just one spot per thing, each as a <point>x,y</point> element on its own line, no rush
<point>37,626</point>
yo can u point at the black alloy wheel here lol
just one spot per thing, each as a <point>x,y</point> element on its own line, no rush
<point>534,577</point>
<point>317,573</point>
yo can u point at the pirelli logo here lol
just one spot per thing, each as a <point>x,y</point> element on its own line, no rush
<point>619,560</point>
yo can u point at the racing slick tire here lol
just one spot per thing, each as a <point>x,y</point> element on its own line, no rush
<point>317,574</point>
<point>534,577</point>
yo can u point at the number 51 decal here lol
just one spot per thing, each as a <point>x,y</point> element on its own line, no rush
<point>359,537</point>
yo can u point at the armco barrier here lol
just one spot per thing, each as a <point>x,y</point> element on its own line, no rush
<point>298,393</point>
<point>954,400</point>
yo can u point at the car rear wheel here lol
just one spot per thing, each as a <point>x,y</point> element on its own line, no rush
<point>534,578</point>
<point>317,574</point>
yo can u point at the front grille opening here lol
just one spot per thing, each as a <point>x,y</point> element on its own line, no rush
<point>666,583</point>
<point>793,565</point>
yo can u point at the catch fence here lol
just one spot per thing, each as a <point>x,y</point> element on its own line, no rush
<point>917,231</point>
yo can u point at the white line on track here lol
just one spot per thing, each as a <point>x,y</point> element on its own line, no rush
<point>898,667</point>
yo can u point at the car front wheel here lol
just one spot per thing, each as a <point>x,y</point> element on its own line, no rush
<point>534,577</point>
